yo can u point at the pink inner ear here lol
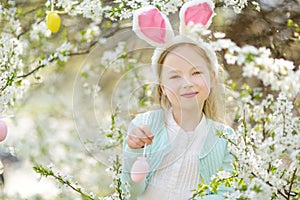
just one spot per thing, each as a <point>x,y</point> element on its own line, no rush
<point>152,25</point>
<point>199,13</point>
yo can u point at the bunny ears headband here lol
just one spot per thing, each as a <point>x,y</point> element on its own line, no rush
<point>154,27</point>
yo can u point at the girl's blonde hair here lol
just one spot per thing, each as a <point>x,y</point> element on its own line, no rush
<point>214,105</point>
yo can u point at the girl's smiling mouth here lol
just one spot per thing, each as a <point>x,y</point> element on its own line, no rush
<point>190,94</point>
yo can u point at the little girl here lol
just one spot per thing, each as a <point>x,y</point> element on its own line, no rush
<point>181,139</point>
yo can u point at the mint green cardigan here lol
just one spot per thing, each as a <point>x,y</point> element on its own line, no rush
<point>213,156</point>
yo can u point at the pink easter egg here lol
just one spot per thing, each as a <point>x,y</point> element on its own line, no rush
<point>140,169</point>
<point>3,130</point>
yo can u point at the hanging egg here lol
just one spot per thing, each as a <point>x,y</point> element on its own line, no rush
<point>140,169</point>
<point>53,21</point>
<point>3,130</point>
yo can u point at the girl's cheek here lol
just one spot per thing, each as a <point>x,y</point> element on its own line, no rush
<point>171,89</point>
<point>204,82</point>
<point>174,84</point>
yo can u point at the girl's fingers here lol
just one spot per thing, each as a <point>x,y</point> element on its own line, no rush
<point>133,143</point>
<point>139,136</point>
<point>147,132</point>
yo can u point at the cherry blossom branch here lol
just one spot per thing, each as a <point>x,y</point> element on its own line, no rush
<point>35,69</point>
<point>49,172</point>
<point>7,83</point>
<point>27,28</point>
<point>268,183</point>
<point>85,51</point>
<point>292,182</point>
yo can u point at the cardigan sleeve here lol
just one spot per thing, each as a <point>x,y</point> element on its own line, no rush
<point>222,189</point>
<point>227,166</point>
<point>129,157</point>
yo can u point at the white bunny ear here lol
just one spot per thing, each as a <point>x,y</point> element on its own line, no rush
<point>152,26</point>
<point>197,12</point>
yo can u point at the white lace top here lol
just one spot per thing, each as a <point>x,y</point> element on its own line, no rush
<point>179,172</point>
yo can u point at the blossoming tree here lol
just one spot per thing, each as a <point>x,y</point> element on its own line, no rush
<point>38,37</point>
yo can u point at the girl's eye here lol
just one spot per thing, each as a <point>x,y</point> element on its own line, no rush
<point>197,73</point>
<point>174,77</point>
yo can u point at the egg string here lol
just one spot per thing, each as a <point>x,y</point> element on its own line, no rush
<point>52,5</point>
<point>144,152</point>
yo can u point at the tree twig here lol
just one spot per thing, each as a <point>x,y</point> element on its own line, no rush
<point>34,70</point>
<point>268,183</point>
<point>291,184</point>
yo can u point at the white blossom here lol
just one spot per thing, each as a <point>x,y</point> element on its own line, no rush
<point>91,9</point>
<point>112,57</point>
<point>224,174</point>
<point>39,29</point>
<point>263,158</point>
<point>257,62</point>
<point>125,10</point>
<point>237,5</point>
<point>11,65</point>
<point>61,52</point>
<point>91,32</point>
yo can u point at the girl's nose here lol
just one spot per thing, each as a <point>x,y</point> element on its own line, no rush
<point>187,81</point>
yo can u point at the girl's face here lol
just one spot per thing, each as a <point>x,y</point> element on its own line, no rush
<point>186,78</point>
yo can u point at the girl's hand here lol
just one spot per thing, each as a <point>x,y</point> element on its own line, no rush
<point>139,136</point>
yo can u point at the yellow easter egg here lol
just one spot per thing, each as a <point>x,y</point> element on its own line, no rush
<point>53,21</point>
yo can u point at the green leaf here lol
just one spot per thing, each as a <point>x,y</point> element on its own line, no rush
<point>256,188</point>
<point>40,13</point>
<point>250,57</point>
<point>290,23</point>
<point>19,11</point>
